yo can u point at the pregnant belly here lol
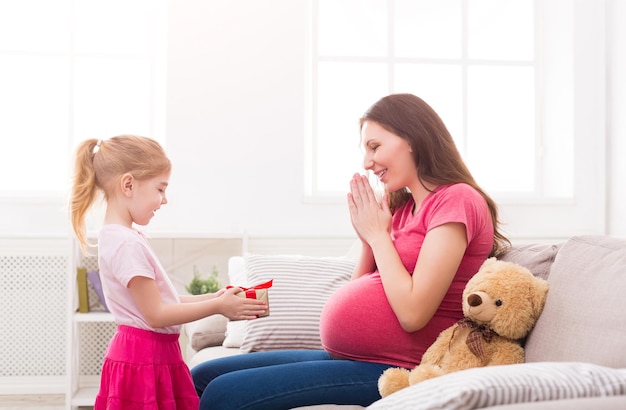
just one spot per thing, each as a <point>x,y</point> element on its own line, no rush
<point>357,321</point>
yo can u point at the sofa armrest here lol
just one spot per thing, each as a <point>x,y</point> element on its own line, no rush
<point>509,384</point>
<point>595,403</point>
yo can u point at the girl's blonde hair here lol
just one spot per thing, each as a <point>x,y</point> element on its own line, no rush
<point>99,166</point>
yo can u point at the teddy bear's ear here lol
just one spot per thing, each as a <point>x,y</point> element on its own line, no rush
<point>489,261</point>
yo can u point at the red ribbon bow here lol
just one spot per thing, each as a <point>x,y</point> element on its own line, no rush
<point>251,292</point>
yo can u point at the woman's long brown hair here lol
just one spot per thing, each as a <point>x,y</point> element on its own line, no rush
<point>435,154</point>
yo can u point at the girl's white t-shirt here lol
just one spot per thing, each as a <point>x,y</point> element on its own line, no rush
<point>124,253</point>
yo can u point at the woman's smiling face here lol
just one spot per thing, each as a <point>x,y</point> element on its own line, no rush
<point>388,156</point>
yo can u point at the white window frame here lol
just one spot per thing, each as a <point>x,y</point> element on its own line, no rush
<point>535,216</point>
<point>157,61</point>
<point>585,211</point>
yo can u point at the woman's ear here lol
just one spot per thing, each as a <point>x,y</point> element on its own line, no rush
<point>126,183</point>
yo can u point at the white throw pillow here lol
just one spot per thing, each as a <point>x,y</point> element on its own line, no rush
<point>234,333</point>
<point>237,276</point>
<point>301,286</point>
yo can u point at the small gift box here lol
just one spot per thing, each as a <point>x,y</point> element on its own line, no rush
<point>257,292</point>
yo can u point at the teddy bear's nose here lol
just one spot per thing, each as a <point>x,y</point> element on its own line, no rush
<point>474,300</point>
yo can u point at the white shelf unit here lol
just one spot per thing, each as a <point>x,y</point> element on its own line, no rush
<point>82,383</point>
<point>89,333</point>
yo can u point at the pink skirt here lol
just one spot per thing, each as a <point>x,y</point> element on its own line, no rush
<point>145,370</point>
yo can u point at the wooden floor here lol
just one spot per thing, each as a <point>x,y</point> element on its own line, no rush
<point>34,402</point>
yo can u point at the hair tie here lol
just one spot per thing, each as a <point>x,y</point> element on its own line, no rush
<point>97,147</point>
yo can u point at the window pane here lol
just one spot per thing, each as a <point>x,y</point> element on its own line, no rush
<point>557,121</point>
<point>112,97</point>
<point>490,109</point>
<point>441,86</point>
<point>345,92</point>
<point>73,70</point>
<point>501,128</point>
<point>28,25</point>
<point>419,22</point>
<point>501,29</point>
<point>34,107</point>
<point>352,28</point>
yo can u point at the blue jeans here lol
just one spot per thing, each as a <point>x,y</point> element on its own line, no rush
<point>285,379</point>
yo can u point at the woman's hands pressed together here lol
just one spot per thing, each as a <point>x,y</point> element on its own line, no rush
<point>369,218</point>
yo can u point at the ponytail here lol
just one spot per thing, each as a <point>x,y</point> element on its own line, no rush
<point>84,188</point>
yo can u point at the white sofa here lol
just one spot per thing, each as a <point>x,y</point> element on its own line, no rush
<point>301,285</point>
<point>575,355</point>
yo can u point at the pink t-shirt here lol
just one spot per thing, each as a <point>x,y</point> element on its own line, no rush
<point>357,321</point>
<point>124,253</point>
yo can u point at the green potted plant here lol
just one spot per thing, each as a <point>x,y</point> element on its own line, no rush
<point>200,286</point>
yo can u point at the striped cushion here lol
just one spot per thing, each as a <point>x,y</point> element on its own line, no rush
<point>498,385</point>
<point>301,286</point>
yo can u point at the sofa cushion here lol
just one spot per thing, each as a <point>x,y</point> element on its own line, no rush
<point>215,352</point>
<point>537,258</point>
<point>206,332</point>
<point>301,286</point>
<point>507,384</point>
<point>237,276</point>
<point>584,317</point>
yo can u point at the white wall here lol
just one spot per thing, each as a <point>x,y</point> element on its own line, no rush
<point>235,120</point>
<point>235,126</point>
<point>236,86</point>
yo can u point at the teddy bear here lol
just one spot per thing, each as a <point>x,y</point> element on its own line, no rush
<point>501,304</point>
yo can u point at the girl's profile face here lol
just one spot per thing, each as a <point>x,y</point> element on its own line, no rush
<point>148,197</point>
<point>388,156</point>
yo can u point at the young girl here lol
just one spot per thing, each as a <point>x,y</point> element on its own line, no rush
<point>143,367</point>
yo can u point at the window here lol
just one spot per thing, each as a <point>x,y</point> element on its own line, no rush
<point>478,63</point>
<point>520,84</point>
<point>73,70</point>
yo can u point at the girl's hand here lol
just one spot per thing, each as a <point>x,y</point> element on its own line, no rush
<point>369,217</point>
<point>238,308</point>
<point>220,292</point>
<point>213,295</point>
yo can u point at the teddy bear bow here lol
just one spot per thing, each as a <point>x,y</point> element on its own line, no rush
<point>476,336</point>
